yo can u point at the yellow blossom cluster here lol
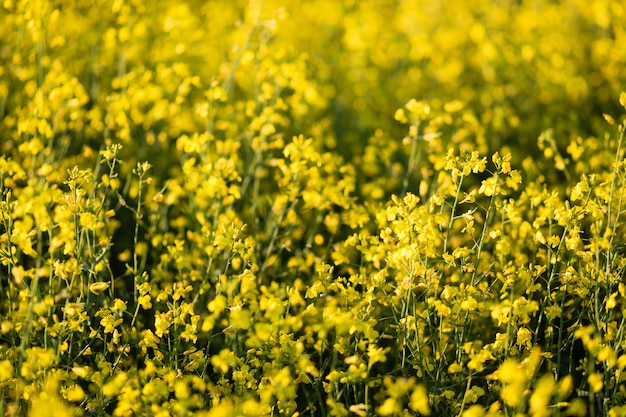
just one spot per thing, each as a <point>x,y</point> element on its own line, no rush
<point>312,207</point>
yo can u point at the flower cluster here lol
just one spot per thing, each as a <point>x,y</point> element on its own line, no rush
<point>224,208</point>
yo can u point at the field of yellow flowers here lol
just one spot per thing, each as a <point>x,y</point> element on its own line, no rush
<point>312,208</point>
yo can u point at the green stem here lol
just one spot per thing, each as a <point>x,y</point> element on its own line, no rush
<point>413,158</point>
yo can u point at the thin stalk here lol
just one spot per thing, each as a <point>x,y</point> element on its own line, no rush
<point>228,83</point>
<point>484,231</point>
<point>413,158</point>
<point>467,388</point>
<point>452,217</point>
<point>447,234</point>
<point>274,236</point>
<point>615,164</point>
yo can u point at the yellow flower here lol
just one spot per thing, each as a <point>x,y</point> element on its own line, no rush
<point>542,394</point>
<point>222,409</point>
<point>469,303</point>
<point>113,387</point>
<point>145,301</point>
<point>90,221</point>
<point>524,337</point>
<point>98,287</point>
<point>489,186</point>
<point>46,404</point>
<point>358,409</point>
<point>513,379</point>
<point>376,354</point>
<point>75,393</point>
<point>478,360</point>
<point>119,306</point>
<point>81,371</point>
<point>611,301</point>
<point>223,360</point>
<point>109,322</point>
<point>6,370</point>
<point>596,382</point>
<point>419,400</point>
<point>400,116</point>
<point>388,407</point>
<point>162,323</point>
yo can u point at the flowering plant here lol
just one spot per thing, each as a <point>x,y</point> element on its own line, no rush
<point>320,207</point>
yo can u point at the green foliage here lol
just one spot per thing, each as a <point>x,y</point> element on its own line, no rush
<point>225,208</point>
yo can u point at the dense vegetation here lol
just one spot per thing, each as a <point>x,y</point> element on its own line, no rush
<point>314,207</point>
